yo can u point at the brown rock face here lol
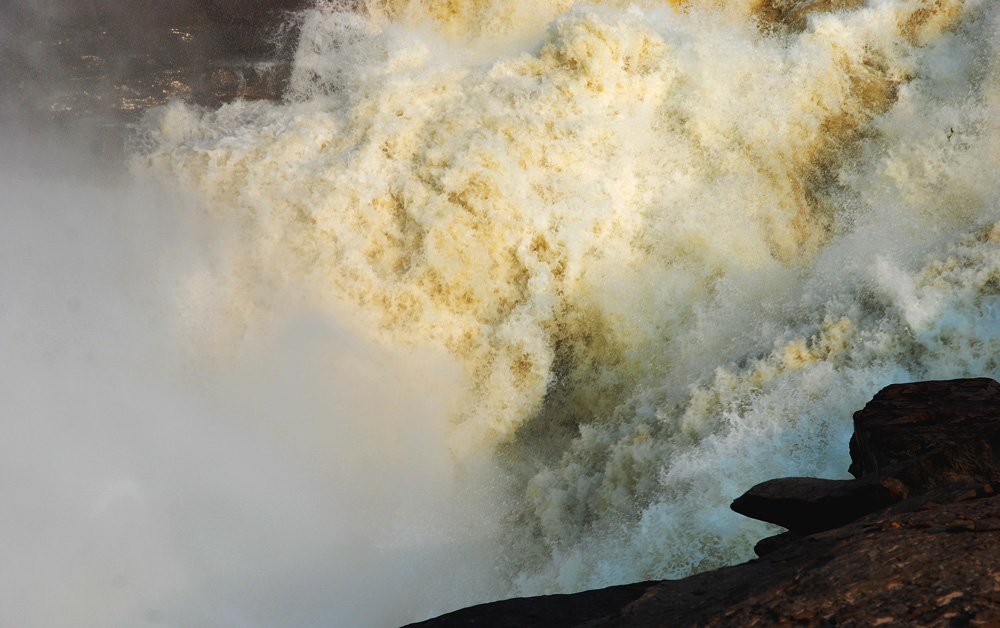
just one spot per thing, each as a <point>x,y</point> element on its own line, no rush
<point>807,505</point>
<point>915,541</point>
<point>920,563</point>
<point>904,421</point>
<point>82,71</point>
<point>248,25</point>
<point>112,60</point>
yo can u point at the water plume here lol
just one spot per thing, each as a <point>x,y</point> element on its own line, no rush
<point>555,281</point>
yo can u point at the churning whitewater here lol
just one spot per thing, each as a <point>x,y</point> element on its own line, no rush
<point>653,254</point>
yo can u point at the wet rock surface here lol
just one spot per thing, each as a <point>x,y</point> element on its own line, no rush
<point>913,541</point>
<point>99,64</point>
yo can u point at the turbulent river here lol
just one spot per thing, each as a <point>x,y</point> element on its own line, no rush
<point>504,298</point>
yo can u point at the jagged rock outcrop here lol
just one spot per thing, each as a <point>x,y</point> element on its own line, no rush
<point>914,540</point>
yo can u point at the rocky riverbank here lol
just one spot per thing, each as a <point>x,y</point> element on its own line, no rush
<point>913,540</point>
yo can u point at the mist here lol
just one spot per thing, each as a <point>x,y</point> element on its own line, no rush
<point>302,481</point>
<point>297,478</point>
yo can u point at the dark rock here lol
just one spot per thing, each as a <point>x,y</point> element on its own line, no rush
<point>249,26</point>
<point>551,611</point>
<point>805,505</point>
<point>108,60</point>
<point>84,71</point>
<point>971,462</point>
<point>904,421</point>
<point>773,543</point>
<point>264,12</point>
<point>911,567</point>
<point>915,541</point>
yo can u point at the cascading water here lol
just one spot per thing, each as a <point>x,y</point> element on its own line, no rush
<point>503,298</point>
